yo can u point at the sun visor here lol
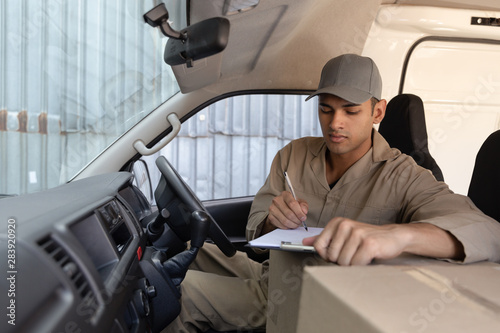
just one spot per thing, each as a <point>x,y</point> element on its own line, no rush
<point>202,73</point>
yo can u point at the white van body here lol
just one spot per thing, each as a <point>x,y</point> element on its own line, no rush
<point>439,55</point>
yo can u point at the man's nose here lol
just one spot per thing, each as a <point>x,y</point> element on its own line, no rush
<point>337,121</point>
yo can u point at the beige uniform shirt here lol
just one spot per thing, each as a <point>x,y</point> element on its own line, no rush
<point>384,186</point>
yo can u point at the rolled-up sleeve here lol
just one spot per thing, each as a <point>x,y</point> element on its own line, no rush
<point>433,202</point>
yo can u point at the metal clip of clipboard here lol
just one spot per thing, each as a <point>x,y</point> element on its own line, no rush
<point>297,247</point>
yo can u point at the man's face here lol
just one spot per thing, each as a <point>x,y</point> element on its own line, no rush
<point>346,126</point>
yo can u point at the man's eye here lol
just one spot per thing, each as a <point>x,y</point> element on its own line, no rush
<point>353,112</point>
<point>325,110</point>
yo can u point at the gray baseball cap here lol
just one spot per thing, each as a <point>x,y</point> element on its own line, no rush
<point>351,77</point>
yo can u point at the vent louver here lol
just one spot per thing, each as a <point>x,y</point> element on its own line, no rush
<point>71,269</point>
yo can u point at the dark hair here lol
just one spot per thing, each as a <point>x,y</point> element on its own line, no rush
<point>374,102</point>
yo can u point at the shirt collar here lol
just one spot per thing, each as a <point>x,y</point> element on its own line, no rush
<point>379,152</point>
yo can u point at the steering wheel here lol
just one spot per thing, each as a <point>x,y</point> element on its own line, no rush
<point>191,203</point>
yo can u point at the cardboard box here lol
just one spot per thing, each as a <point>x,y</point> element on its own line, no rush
<point>285,281</point>
<point>380,298</point>
<point>406,294</point>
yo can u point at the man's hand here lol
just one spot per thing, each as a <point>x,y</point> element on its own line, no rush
<point>285,213</point>
<point>349,242</point>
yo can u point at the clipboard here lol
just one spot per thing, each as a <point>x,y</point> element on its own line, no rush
<point>287,240</point>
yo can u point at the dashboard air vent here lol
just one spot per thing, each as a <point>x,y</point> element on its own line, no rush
<point>71,269</point>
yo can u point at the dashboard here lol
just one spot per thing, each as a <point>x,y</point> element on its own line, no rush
<point>78,261</point>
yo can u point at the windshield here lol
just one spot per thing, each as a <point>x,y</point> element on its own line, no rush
<point>75,76</point>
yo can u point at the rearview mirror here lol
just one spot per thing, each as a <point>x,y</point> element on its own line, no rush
<point>203,40</point>
<point>198,41</point>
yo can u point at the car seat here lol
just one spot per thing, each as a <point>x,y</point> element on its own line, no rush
<point>484,188</point>
<point>404,128</point>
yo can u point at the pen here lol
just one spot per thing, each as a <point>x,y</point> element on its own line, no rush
<point>293,194</point>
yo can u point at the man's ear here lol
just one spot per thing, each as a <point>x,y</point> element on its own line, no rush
<point>379,111</point>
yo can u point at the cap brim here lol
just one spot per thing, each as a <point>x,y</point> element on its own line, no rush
<point>350,94</point>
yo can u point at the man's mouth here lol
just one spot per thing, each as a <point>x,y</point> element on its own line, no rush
<point>337,138</point>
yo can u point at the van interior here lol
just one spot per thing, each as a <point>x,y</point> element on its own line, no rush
<point>97,240</point>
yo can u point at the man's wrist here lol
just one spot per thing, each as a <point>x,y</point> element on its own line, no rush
<point>268,226</point>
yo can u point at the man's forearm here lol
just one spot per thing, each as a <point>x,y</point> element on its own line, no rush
<point>349,242</point>
<point>431,241</point>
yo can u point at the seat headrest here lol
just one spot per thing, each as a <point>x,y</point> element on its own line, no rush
<point>484,189</point>
<point>404,128</point>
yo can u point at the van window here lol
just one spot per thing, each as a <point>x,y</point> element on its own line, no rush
<point>226,150</point>
<point>74,76</point>
<point>459,83</point>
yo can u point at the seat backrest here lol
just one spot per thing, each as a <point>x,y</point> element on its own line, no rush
<point>404,128</point>
<point>484,189</point>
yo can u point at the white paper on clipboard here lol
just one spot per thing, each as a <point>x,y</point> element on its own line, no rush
<point>291,237</point>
